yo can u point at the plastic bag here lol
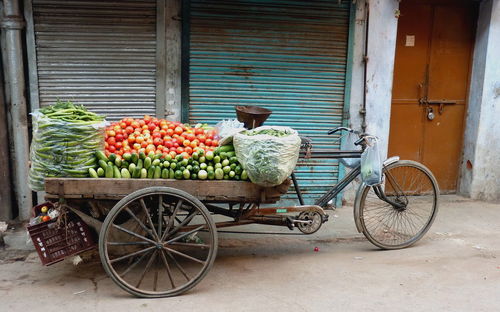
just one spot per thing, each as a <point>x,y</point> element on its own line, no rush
<point>371,165</point>
<point>349,146</point>
<point>226,129</point>
<point>268,159</point>
<point>62,148</point>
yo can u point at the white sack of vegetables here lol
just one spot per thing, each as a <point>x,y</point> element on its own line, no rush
<point>65,138</point>
<point>268,153</point>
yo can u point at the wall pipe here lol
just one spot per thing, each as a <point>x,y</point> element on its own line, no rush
<point>17,113</point>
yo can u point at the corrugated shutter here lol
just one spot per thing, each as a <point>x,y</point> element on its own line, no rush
<point>101,54</point>
<point>288,56</point>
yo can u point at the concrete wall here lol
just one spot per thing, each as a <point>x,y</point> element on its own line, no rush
<point>480,168</point>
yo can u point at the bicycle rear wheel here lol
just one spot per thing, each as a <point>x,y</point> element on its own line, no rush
<point>387,226</point>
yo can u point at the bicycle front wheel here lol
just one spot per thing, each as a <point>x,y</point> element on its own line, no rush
<point>414,194</point>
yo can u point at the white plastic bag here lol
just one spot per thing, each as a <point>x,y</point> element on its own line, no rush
<point>349,146</point>
<point>268,159</point>
<point>371,165</point>
<point>226,129</point>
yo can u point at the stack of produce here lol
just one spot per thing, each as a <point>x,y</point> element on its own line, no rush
<point>65,137</point>
<point>219,164</point>
<point>159,136</point>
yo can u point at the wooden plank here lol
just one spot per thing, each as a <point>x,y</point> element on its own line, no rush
<point>210,191</point>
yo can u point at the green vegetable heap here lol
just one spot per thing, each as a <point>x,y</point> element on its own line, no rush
<point>65,137</point>
<point>273,132</point>
<point>220,164</point>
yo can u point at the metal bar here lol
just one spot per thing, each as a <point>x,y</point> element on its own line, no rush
<point>338,187</point>
<point>297,189</point>
<point>12,25</point>
<point>161,59</point>
<point>332,153</point>
<point>6,212</point>
<point>347,91</point>
<point>32,57</point>
<point>185,55</point>
<point>173,40</point>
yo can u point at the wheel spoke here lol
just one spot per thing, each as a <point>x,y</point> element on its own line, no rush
<point>127,243</point>
<point>143,205</point>
<point>133,234</point>
<point>169,273</point>
<point>183,223</point>
<point>146,269</point>
<point>184,235</point>
<point>184,255</point>
<point>171,219</point>
<point>178,265</point>
<point>141,224</point>
<point>160,214</point>
<point>136,253</point>
<point>133,265</point>
<point>190,244</point>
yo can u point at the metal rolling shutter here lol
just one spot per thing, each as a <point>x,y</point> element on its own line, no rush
<point>97,53</point>
<point>288,56</point>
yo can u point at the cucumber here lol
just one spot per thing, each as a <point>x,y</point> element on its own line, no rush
<point>186,174</point>
<point>93,173</point>
<point>202,159</point>
<point>100,172</point>
<point>131,168</point>
<point>209,155</point>
<point>147,162</point>
<point>151,172</point>
<point>202,175</point>
<point>230,154</point>
<point>140,164</point>
<point>156,162</point>
<point>233,160</point>
<point>127,156</point>
<point>226,169</point>
<point>158,156</point>
<point>116,173</point>
<point>103,164</point>
<point>195,155</point>
<point>232,174</point>
<point>157,172</point>
<point>144,173</point>
<point>217,159</point>
<point>101,156</point>
<point>223,155</point>
<point>125,173</point>
<point>219,174</point>
<point>171,173</point>
<point>238,169</point>
<point>134,158</point>
<point>178,175</point>
<point>125,164</point>
<point>109,171</point>
<point>225,162</point>
<point>164,173</point>
<point>226,177</point>
<point>166,164</point>
<point>211,175</point>
<point>118,162</point>
<point>151,155</point>
<point>142,155</point>
<point>194,176</point>
<point>244,175</point>
<point>225,148</point>
<point>112,157</point>
<point>137,173</point>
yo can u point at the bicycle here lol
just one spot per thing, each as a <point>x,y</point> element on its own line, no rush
<point>394,214</point>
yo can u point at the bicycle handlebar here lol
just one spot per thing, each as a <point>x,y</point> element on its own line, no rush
<point>340,129</point>
<point>362,136</point>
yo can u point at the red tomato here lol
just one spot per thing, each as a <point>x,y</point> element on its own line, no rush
<point>163,132</point>
<point>157,141</point>
<point>186,142</point>
<point>168,143</point>
<point>173,154</point>
<point>129,129</point>
<point>137,146</point>
<point>106,144</point>
<point>128,121</point>
<point>178,130</point>
<point>188,150</point>
<point>185,155</point>
<point>119,137</point>
<point>180,149</point>
<point>131,138</point>
<point>170,132</point>
<point>198,131</point>
<point>123,125</point>
<point>135,124</point>
<point>118,145</point>
<point>111,133</point>
<point>202,138</point>
<point>208,142</point>
<point>194,144</point>
<point>112,148</point>
<point>172,149</point>
<point>139,139</point>
<point>151,126</point>
<point>144,144</point>
<point>215,143</point>
<point>111,140</point>
<point>147,118</point>
<point>157,134</point>
<point>190,136</point>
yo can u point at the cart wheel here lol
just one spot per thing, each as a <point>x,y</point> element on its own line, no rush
<point>314,218</point>
<point>158,242</point>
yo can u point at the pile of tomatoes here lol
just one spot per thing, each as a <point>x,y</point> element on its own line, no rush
<point>157,135</point>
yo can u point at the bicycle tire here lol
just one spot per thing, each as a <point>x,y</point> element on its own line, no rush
<point>389,227</point>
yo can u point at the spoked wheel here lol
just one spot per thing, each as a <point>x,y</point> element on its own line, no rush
<point>158,242</point>
<point>415,192</point>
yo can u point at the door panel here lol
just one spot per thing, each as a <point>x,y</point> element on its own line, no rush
<point>432,68</point>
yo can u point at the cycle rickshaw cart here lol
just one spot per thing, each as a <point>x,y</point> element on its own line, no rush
<point>159,238</point>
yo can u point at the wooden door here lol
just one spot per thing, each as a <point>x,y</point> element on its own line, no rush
<point>431,78</point>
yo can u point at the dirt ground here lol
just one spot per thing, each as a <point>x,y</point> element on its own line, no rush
<point>456,267</point>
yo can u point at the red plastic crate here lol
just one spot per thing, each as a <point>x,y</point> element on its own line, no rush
<point>54,243</point>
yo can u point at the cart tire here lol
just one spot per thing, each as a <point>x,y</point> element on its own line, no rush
<point>158,242</point>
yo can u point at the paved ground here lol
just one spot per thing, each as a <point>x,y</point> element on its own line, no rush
<point>456,267</point>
